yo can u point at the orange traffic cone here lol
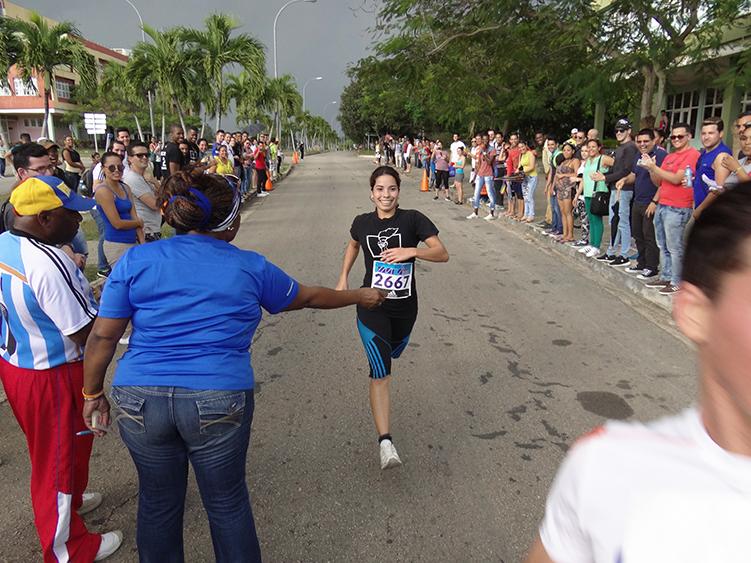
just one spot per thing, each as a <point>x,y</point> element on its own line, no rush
<point>295,158</point>
<point>269,185</point>
<point>484,190</point>
<point>425,185</point>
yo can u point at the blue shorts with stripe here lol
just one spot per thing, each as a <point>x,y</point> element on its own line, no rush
<point>384,337</point>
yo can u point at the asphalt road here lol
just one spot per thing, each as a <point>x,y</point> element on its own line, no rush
<point>516,352</point>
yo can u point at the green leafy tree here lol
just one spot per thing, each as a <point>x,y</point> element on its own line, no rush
<point>217,49</point>
<point>43,47</point>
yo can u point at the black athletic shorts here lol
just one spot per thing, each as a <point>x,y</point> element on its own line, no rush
<point>384,337</point>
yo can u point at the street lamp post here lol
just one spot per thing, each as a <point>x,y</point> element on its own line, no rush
<point>148,93</point>
<point>276,74</point>
<point>305,86</point>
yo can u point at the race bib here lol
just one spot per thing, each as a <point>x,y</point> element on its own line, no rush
<point>394,278</point>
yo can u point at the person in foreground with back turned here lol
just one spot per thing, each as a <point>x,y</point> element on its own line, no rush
<point>677,490</point>
<point>183,391</point>
<point>390,237</point>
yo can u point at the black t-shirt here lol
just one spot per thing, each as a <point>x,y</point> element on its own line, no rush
<point>194,153</point>
<point>406,229</point>
<point>171,153</point>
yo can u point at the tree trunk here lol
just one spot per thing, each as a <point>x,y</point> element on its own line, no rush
<point>660,93</point>
<point>648,90</point>
<point>164,118</point>
<point>151,113</point>
<point>218,108</point>
<point>180,115</point>
<point>47,93</point>
<point>138,126</point>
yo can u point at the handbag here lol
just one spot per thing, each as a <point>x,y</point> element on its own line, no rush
<point>600,199</point>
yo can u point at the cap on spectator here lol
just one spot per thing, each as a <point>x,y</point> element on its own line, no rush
<point>48,144</point>
<point>622,124</point>
<point>45,193</point>
<point>574,131</point>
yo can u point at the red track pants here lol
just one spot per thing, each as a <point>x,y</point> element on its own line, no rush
<point>48,406</point>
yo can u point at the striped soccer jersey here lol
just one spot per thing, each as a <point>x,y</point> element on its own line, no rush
<point>44,298</point>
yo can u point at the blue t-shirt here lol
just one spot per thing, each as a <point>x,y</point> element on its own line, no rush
<point>704,167</point>
<point>195,303</point>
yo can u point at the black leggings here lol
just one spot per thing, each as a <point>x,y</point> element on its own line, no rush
<point>261,180</point>
<point>384,337</point>
<point>441,179</point>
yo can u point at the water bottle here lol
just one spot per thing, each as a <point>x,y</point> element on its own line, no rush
<point>689,177</point>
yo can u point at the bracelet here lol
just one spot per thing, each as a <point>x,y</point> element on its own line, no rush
<point>93,396</point>
<point>653,201</point>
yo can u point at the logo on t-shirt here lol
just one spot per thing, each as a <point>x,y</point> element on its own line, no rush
<point>387,238</point>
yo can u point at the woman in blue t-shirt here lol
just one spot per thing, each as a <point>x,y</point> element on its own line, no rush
<point>183,391</point>
<point>123,228</point>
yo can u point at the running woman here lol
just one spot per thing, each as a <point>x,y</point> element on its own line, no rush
<point>389,236</point>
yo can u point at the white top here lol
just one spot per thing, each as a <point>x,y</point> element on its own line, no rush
<point>473,152</point>
<point>408,152</point>
<point>732,180</point>
<point>663,492</point>
<point>455,146</point>
<point>152,220</point>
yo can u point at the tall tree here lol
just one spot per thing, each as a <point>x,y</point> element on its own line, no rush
<point>279,96</point>
<point>42,48</point>
<point>217,49</point>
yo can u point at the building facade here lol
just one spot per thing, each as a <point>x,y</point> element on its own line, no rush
<point>22,104</point>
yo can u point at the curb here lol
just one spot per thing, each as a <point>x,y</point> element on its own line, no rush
<point>97,284</point>
<point>617,276</point>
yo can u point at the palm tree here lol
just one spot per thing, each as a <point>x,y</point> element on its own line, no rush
<point>166,65</point>
<point>245,90</point>
<point>217,49</point>
<point>280,97</point>
<point>114,85</point>
<point>42,48</point>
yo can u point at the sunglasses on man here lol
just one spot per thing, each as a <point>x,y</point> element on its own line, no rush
<point>140,155</point>
<point>677,137</point>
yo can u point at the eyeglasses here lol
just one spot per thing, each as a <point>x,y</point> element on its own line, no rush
<point>118,167</point>
<point>140,154</point>
<point>642,142</point>
<point>677,137</point>
<point>43,169</point>
<point>620,131</point>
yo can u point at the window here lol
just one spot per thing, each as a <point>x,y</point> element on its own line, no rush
<point>684,107</point>
<point>23,88</point>
<point>713,104</point>
<point>746,101</point>
<point>63,88</point>
<point>33,122</point>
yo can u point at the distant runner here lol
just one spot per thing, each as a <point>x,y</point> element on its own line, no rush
<point>390,236</point>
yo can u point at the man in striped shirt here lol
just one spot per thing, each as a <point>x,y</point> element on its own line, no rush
<point>47,310</point>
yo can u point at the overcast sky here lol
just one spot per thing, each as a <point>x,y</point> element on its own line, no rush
<point>318,39</point>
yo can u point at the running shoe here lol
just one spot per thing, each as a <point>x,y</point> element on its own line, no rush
<point>111,542</point>
<point>592,252</point>
<point>489,217</point>
<point>646,275</point>
<point>447,199</point>
<point>606,258</point>
<point>669,289</point>
<point>435,197</point>
<point>389,457</point>
<point>263,194</point>
<point>633,270</point>
<point>619,261</point>
<point>103,273</point>
<point>580,244</point>
<point>125,340</point>
<point>91,501</point>
<point>657,284</point>
<point>472,216</point>
<point>584,249</point>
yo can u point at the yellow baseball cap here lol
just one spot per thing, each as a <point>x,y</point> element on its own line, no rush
<point>45,193</point>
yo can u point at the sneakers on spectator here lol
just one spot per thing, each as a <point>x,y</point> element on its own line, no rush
<point>646,274</point>
<point>580,243</point>
<point>489,217</point>
<point>263,194</point>
<point>633,270</point>
<point>669,289</point>
<point>657,284</point>
<point>472,216</point>
<point>619,261</point>
<point>91,501</point>
<point>584,249</point>
<point>592,252</point>
<point>103,273</point>
<point>389,457</point>
<point>111,541</point>
<point>606,258</point>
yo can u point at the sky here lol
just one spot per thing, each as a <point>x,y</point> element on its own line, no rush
<point>313,39</point>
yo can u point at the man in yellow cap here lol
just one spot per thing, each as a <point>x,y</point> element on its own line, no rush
<point>47,312</point>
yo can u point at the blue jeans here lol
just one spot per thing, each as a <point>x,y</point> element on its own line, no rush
<point>2,167</point>
<point>488,181</point>
<point>557,225</point>
<point>528,191</point>
<point>247,176</point>
<point>670,224</point>
<point>623,235</point>
<point>166,427</point>
<point>80,246</point>
<point>102,263</point>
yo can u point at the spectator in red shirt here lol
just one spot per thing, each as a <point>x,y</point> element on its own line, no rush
<point>260,157</point>
<point>516,200</point>
<point>672,205</point>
